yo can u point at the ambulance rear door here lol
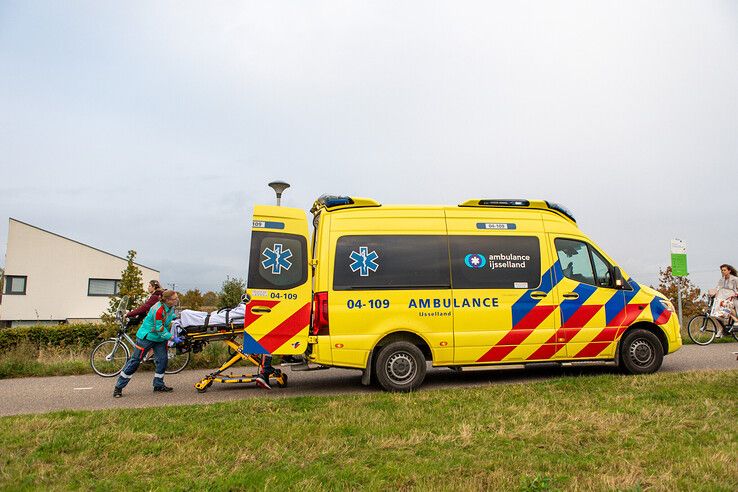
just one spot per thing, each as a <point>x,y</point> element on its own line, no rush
<point>279,283</point>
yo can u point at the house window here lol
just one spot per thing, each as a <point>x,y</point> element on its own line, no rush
<point>15,285</point>
<point>103,287</point>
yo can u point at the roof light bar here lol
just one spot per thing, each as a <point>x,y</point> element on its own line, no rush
<point>329,201</point>
<point>560,208</point>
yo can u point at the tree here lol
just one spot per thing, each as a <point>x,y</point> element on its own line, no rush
<point>693,300</point>
<point>231,292</point>
<point>192,299</point>
<point>131,285</point>
<point>209,299</point>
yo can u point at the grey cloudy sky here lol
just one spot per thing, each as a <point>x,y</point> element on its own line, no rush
<point>156,126</point>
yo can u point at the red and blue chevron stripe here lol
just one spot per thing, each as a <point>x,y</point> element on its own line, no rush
<point>526,315</point>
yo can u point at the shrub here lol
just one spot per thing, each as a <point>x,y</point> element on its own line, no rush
<point>79,335</point>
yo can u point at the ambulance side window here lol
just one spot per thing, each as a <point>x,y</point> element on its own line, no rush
<point>495,262</point>
<point>602,269</point>
<point>391,262</point>
<point>580,262</point>
<point>277,261</point>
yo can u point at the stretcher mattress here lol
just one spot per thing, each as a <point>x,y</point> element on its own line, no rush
<point>191,321</point>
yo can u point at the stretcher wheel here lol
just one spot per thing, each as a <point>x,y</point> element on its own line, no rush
<point>203,386</point>
<point>281,380</point>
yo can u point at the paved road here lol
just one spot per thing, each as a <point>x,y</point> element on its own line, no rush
<point>90,392</point>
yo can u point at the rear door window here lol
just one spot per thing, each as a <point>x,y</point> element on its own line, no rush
<point>495,262</point>
<point>277,261</point>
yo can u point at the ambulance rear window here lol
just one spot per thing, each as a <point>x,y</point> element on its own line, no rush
<point>391,262</point>
<point>495,262</point>
<point>277,261</point>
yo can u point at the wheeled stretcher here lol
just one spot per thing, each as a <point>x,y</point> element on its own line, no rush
<point>196,329</point>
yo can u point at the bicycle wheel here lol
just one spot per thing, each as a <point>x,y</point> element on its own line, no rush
<point>176,362</point>
<point>109,357</point>
<point>734,331</point>
<point>702,329</point>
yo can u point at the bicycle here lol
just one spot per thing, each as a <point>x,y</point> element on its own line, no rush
<point>109,356</point>
<point>702,328</point>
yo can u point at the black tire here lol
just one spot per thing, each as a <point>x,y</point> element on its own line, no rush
<point>109,357</point>
<point>641,352</point>
<point>732,329</point>
<point>400,366</point>
<point>702,329</point>
<point>176,362</point>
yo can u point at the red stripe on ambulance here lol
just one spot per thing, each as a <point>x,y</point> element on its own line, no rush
<point>518,334</point>
<point>608,335</point>
<point>286,329</point>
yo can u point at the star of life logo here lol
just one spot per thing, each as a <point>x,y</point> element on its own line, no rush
<point>364,261</point>
<point>474,260</point>
<point>276,259</point>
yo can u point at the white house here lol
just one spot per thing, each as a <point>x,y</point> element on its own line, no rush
<point>50,278</point>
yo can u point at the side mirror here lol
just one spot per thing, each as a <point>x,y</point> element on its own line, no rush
<point>617,277</point>
<point>245,298</point>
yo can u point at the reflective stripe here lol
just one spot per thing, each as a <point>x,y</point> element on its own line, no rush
<point>160,376</point>
<point>126,376</point>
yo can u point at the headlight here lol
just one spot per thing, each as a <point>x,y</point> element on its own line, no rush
<point>667,305</point>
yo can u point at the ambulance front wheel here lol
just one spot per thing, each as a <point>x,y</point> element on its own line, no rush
<point>400,366</point>
<point>641,352</point>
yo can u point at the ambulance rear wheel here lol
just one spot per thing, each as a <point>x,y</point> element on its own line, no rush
<point>641,352</point>
<point>400,366</point>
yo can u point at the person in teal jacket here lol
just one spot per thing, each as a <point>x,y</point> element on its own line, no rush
<point>153,334</point>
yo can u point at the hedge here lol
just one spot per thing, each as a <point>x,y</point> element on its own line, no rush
<point>80,335</point>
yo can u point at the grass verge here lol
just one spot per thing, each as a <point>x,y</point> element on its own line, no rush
<point>26,360</point>
<point>658,432</point>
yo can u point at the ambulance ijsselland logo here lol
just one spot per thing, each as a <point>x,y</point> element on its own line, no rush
<point>474,260</point>
<point>276,259</point>
<point>364,261</point>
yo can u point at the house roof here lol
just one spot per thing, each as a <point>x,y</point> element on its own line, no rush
<point>80,243</point>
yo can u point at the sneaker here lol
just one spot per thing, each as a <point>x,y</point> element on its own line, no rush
<point>117,392</point>
<point>262,382</point>
<point>719,335</point>
<point>163,388</point>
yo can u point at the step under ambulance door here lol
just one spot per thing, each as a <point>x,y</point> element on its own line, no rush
<point>279,283</point>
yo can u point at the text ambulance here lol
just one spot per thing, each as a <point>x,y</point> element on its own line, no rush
<point>386,288</point>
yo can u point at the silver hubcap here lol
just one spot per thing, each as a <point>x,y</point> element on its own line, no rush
<point>641,352</point>
<point>400,367</point>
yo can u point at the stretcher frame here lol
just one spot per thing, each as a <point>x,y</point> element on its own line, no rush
<point>228,335</point>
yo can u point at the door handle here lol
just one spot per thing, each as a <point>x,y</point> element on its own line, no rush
<point>260,310</point>
<point>571,295</point>
<point>538,294</point>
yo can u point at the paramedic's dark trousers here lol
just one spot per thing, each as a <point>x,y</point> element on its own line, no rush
<point>142,347</point>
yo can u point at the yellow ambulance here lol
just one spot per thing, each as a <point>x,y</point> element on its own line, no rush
<point>386,289</point>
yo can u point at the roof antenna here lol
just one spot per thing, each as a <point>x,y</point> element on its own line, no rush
<point>279,187</point>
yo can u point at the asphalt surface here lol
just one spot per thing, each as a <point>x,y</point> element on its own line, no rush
<point>91,392</point>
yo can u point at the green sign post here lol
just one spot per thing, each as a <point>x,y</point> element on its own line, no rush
<point>678,258</point>
<point>679,268</point>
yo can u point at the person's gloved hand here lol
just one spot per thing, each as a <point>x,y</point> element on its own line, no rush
<point>177,340</point>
